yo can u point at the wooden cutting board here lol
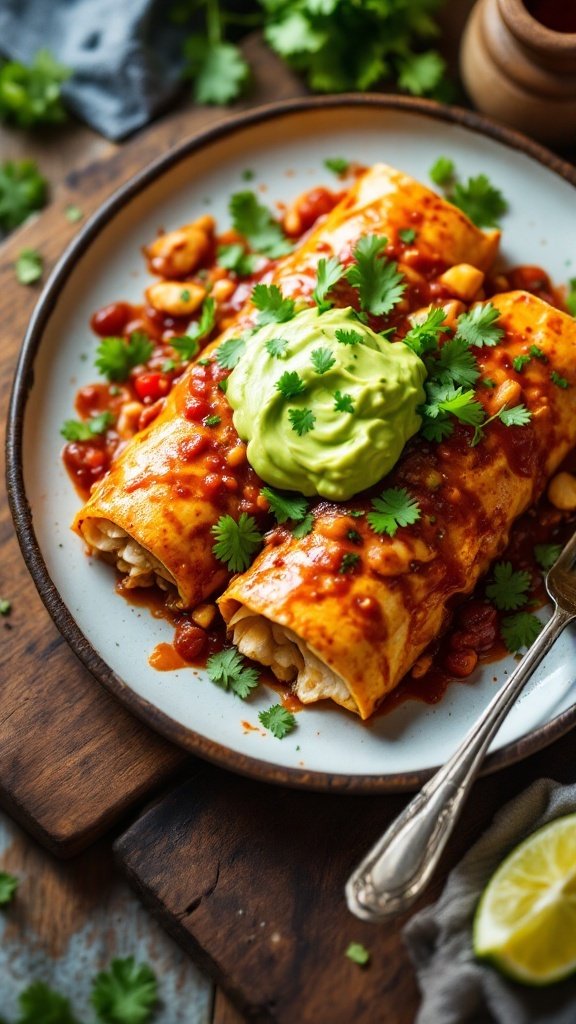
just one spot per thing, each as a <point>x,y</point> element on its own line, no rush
<point>250,879</point>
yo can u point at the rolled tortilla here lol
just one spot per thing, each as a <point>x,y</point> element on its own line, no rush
<point>351,637</point>
<point>151,516</point>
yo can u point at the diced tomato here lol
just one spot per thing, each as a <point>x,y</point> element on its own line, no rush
<point>151,386</point>
<point>196,409</point>
<point>190,641</point>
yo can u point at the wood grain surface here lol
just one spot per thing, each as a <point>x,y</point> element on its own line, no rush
<point>249,879</point>
<point>72,760</point>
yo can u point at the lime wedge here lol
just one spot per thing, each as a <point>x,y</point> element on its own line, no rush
<point>526,919</point>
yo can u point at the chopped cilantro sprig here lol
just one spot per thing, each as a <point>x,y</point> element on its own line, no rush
<point>115,357</point>
<point>237,541</point>
<point>395,507</point>
<point>278,720</point>
<point>229,670</point>
<point>508,589</point>
<point>478,198</point>
<point>379,283</point>
<point>255,223</point>
<point>126,993</point>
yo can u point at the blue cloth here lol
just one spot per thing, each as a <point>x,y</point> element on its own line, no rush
<point>126,55</point>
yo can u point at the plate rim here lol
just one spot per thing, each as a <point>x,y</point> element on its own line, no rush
<point>195,743</point>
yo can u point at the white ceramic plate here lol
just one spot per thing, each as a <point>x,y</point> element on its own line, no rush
<point>285,146</point>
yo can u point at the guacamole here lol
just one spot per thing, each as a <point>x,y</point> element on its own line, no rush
<point>325,404</point>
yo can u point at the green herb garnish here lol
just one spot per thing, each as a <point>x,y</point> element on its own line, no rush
<point>115,357</point>
<point>394,508</point>
<point>229,671</point>
<point>237,541</point>
<point>278,720</point>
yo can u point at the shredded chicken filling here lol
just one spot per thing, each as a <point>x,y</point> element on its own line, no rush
<point>113,544</point>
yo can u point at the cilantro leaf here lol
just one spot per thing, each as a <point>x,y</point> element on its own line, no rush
<point>559,381</point>
<point>442,172</point>
<point>478,326</point>
<point>278,720</point>
<point>230,352</point>
<point>322,359</point>
<point>285,506</point>
<point>328,273</point>
<point>380,285</point>
<point>218,70</point>
<point>40,1004</point>
<point>547,554</point>
<point>520,630</point>
<point>276,347</point>
<point>29,266</point>
<point>236,541</point>
<point>274,308</point>
<point>519,362</point>
<point>302,420</point>
<point>349,562</point>
<point>257,225</point>
<point>482,203</point>
<point>126,993</point>
<point>537,353</point>
<point>290,384</point>
<point>8,886</point>
<point>211,421</point>
<point>343,402</point>
<point>348,337</point>
<point>517,416</point>
<point>358,953</point>
<point>228,669</point>
<point>22,191</point>
<point>395,507</point>
<point>187,345</point>
<point>456,363</point>
<point>115,357</point>
<point>436,429</point>
<point>508,590</point>
<point>304,527</point>
<point>460,403</point>
<point>337,164</point>
<point>424,336</point>
<point>407,235</point>
<point>84,430</point>
<point>234,257</point>
<point>421,73</point>
<point>31,95</point>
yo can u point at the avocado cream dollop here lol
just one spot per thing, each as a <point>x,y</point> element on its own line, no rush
<point>354,411</point>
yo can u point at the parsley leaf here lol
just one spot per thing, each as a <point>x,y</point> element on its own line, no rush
<point>442,172</point>
<point>228,670</point>
<point>8,886</point>
<point>349,562</point>
<point>29,266</point>
<point>520,630</point>
<point>478,326</point>
<point>187,345</point>
<point>276,347</point>
<point>290,384</point>
<point>40,1004</point>
<point>278,720</point>
<point>559,381</point>
<point>126,993</point>
<point>322,359</point>
<point>480,201</point>
<point>424,336</point>
<point>115,357</point>
<point>407,235</point>
<point>285,506</point>
<point>22,191</point>
<point>304,527</point>
<point>348,337</point>
<point>257,225</point>
<point>508,591</point>
<point>395,507</point>
<point>547,554</point>
<point>380,285</point>
<point>234,257</point>
<point>274,308</point>
<point>456,363</point>
<point>230,352</point>
<point>358,953</point>
<point>302,420</point>
<point>328,273</point>
<point>218,69</point>
<point>517,416</point>
<point>343,402</point>
<point>236,541</point>
<point>31,95</point>
<point>337,164</point>
<point>79,430</point>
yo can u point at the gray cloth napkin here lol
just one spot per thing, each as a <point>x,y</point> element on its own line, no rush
<point>126,55</point>
<point>456,988</point>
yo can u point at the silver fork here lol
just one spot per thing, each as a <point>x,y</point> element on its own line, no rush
<point>400,865</point>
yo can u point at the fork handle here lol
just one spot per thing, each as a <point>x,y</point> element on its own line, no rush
<point>399,866</point>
